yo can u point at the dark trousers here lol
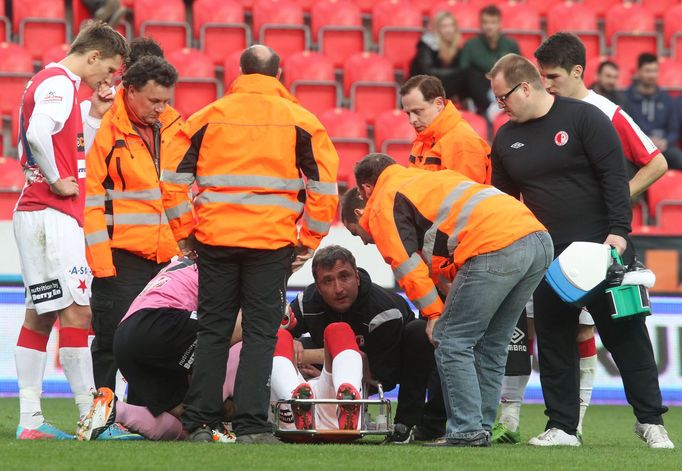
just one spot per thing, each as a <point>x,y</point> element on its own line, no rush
<point>230,278</point>
<point>556,325</point>
<point>419,373</point>
<point>111,298</point>
<point>479,87</point>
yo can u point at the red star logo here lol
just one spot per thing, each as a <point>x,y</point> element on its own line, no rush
<point>82,286</point>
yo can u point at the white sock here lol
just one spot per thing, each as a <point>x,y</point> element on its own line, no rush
<point>588,370</point>
<point>121,388</point>
<point>511,399</point>
<point>77,364</point>
<point>284,378</point>
<point>347,368</point>
<point>30,366</point>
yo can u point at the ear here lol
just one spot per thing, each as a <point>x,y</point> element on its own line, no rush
<point>92,56</point>
<point>358,212</point>
<point>367,188</point>
<point>279,73</point>
<point>440,103</point>
<point>578,71</point>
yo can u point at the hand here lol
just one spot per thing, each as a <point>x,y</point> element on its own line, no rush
<point>101,99</point>
<point>309,371</point>
<point>618,242</point>
<point>65,186</point>
<point>187,247</point>
<point>302,255</point>
<point>298,354</point>
<point>430,324</point>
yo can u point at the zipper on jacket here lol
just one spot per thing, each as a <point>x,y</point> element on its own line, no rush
<point>120,173</point>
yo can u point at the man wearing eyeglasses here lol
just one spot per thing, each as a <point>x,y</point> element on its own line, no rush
<point>564,156</point>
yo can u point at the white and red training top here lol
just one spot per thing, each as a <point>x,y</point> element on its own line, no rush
<point>175,287</point>
<point>637,146</point>
<point>53,92</point>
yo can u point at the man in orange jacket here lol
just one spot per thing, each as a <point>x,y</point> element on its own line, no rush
<point>483,246</point>
<point>444,140</point>
<point>128,239</point>
<point>262,163</point>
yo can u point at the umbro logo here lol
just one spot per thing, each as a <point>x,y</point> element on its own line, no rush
<point>517,145</point>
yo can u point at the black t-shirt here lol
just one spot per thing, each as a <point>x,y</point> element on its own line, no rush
<point>377,318</point>
<point>569,167</point>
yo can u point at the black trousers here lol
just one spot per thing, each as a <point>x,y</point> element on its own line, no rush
<point>111,298</point>
<point>230,278</point>
<point>556,325</point>
<point>479,88</point>
<point>417,375</point>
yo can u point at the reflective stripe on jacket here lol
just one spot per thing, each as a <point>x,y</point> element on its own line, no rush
<point>123,207</point>
<point>428,224</point>
<point>262,164</point>
<point>451,143</point>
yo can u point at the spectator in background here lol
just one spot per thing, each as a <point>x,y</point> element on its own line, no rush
<point>479,54</point>
<point>607,80</point>
<point>109,11</point>
<point>653,110</point>
<point>438,54</point>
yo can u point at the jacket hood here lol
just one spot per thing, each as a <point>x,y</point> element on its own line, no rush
<point>259,84</point>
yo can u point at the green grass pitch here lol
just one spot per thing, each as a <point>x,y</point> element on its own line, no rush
<point>609,444</point>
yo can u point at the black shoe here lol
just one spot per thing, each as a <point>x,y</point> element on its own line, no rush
<point>402,435</point>
<point>258,439</point>
<point>201,434</point>
<point>482,439</point>
<point>425,434</point>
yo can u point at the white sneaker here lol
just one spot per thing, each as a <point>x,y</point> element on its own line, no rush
<point>554,437</point>
<point>655,436</point>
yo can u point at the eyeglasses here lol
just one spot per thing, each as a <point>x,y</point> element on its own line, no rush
<point>502,99</point>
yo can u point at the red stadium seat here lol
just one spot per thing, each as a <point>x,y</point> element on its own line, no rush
<point>426,5</point>
<point>163,21</point>
<point>599,7</point>
<point>467,15</point>
<point>196,86</point>
<point>671,31</point>
<point>231,69</point>
<point>591,66</point>
<point>639,214</point>
<point>478,122</point>
<point>5,26</point>
<point>397,26</point>
<point>579,19</point>
<point>669,217</point>
<point>220,27</point>
<point>393,135</point>
<point>348,131</point>
<point>666,188</point>
<point>370,83</point>
<point>11,174</point>
<point>659,7</point>
<point>337,27</point>
<point>631,30</point>
<point>522,23</point>
<point>279,24</point>
<point>55,54</point>
<point>670,76</point>
<point>16,68</point>
<point>40,24</point>
<point>365,5</point>
<point>541,6</point>
<point>499,120</point>
<point>311,78</point>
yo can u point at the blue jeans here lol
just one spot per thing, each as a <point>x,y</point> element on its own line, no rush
<point>481,311</point>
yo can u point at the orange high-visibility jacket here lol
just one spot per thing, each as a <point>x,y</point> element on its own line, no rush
<point>428,224</point>
<point>261,163</point>
<point>450,142</point>
<point>123,207</point>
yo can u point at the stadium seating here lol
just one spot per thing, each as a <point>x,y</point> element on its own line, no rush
<point>670,76</point>
<point>348,131</point>
<point>666,188</point>
<point>542,6</point>
<point>499,119</point>
<point>672,36</point>
<point>337,27</point>
<point>669,217</point>
<point>397,27</point>
<point>426,5</point>
<point>659,7</point>
<point>310,77</point>
<point>231,69</point>
<point>5,26</point>
<point>578,19</point>
<point>279,24</point>
<point>370,83</point>
<point>631,30</point>
<point>639,215</point>
<point>591,66</point>
<point>40,23</point>
<point>163,21</point>
<point>11,182</point>
<point>522,23</point>
<point>16,68</point>
<point>478,122</point>
<point>393,135</point>
<point>365,5</point>
<point>467,16</point>
<point>219,26</point>
<point>196,86</point>
<point>599,7</point>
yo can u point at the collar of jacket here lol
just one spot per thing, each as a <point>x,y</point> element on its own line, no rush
<point>120,119</point>
<point>444,122</point>
<point>371,202</point>
<point>258,84</point>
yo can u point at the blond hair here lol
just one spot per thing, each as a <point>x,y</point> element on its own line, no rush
<point>516,69</point>
<point>447,50</point>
